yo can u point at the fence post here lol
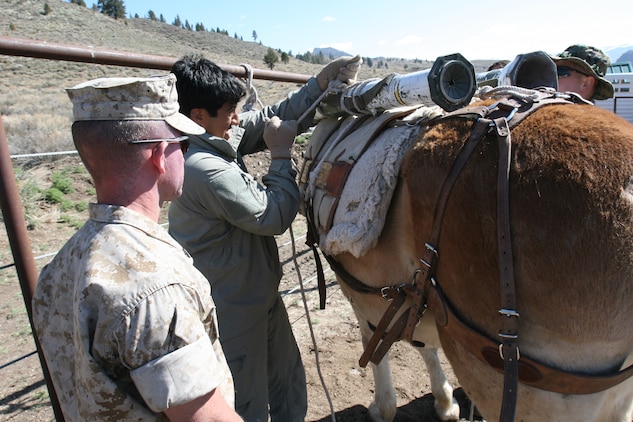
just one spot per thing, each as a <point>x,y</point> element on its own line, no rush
<point>21,249</point>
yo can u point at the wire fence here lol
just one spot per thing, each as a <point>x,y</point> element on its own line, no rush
<point>299,246</point>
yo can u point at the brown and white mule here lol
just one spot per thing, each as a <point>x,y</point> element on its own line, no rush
<point>571,224</point>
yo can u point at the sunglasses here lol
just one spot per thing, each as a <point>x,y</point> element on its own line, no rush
<point>564,71</point>
<point>182,140</point>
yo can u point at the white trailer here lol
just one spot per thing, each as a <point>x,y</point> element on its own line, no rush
<point>621,76</point>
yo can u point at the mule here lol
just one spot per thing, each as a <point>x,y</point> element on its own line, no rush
<point>571,213</point>
<point>571,219</point>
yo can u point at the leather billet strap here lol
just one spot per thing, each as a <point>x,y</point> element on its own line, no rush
<point>509,316</point>
<point>430,255</point>
<point>381,340</point>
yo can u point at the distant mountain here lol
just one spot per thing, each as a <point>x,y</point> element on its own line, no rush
<point>330,52</point>
<point>616,52</point>
<point>626,57</point>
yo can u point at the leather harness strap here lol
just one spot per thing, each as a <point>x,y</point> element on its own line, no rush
<point>509,315</point>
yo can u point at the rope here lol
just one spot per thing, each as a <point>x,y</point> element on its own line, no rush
<point>251,90</point>
<point>314,344</point>
<point>44,154</point>
<point>334,86</point>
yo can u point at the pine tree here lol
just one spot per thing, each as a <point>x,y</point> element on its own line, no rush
<point>113,8</point>
<point>271,58</point>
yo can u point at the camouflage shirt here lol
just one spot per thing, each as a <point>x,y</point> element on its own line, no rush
<point>126,324</point>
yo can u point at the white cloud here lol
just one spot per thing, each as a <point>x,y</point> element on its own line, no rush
<point>328,19</point>
<point>409,40</point>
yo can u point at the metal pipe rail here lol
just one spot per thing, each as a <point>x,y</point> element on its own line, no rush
<point>66,52</point>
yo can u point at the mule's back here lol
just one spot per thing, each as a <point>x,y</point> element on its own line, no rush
<point>571,210</point>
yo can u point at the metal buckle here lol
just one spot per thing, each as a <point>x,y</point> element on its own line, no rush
<point>386,294</point>
<point>501,352</point>
<point>509,312</point>
<point>429,248</point>
<point>510,336</point>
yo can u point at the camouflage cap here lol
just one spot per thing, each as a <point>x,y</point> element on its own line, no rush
<point>594,62</point>
<point>152,98</point>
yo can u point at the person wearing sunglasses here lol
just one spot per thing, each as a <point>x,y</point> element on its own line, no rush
<point>582,69</point>
<point>127,325</point>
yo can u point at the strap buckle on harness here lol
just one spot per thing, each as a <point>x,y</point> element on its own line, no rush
<point>502,105</point>
<point>389,293</point>
<point>518,354</point>
<point>427,264</point>
<point>509,312</point>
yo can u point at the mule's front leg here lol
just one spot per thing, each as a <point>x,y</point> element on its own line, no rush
<point>383,408</point>
<point>446,406</point>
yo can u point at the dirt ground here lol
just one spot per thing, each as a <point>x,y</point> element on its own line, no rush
<point>23,395</point>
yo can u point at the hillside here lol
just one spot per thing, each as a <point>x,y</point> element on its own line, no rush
<point>36,112</point>
<point>32,99</point>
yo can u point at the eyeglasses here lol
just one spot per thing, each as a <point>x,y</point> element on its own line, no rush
<point>182,140</point>
<point>564,71</point>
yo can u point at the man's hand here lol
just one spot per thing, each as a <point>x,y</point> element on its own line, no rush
<point>344,69</point>
<point>279,136</point>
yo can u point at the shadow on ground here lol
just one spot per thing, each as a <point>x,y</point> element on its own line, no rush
<point>420,409</point>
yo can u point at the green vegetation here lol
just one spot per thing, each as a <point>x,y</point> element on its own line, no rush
<point>113,8</point>
<point>62,181</point>
<point>81,206</point>
<point>303,138</point>
<point>53,196</point>
<point>73,222</point>
<point>271,58</point>
<point>30,195</point>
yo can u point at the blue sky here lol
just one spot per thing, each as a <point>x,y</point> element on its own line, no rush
<point>409,29</point>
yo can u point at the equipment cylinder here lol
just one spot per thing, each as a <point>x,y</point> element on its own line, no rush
<point>450,84</point>
<point>531,70</point>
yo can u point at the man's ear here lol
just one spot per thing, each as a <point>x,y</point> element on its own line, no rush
<point>197,115</point>
<point>158,157</point>
<point>590,84</point>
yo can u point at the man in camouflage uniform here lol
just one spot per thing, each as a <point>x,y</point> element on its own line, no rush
<point>126,323</point>
<point>581,69</point>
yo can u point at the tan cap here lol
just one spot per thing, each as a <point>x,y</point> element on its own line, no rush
<point>153,98</point>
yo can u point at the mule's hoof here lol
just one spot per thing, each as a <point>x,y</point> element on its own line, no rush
<point>376,415</point>
<point>450,414</point>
